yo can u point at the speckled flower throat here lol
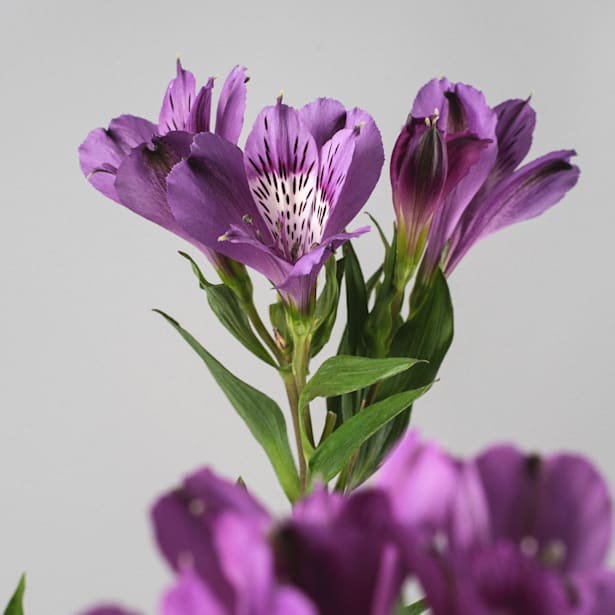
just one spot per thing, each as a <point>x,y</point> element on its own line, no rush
<point>294,186</point>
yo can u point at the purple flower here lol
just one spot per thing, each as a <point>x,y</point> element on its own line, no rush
<point>129,161</point>
<point>281,205</point>
<point>503,531</point>
<point>427,164</point>
<point>343,553</point>
<point>481,190</point>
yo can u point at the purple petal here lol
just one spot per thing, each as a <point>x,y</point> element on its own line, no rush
<point>190,596</point>
<point>246,559</point>
<point>516,122</point>
<point>300,282</point>
<point>418,172</point>
<point>323,118</point>
<point>281,161</point>
<point>184,522</point>
<point>288,601</point>
<point>433,494</point>
<point>363,172</point>
<point>109,610</point>
<point>593,592</point>
<point>104,149</point>
<point>199,119</point>
<point>339,564</point>
<point>142,177</point>
<point>508,582</point>
<point>318,507</point>
<point>232,105</point>
<point>525,194</point>
<point>208,194</point>
<point>177,102</point>
<point>494,579</point>
<point>558,507</point>
<point>431,97</point>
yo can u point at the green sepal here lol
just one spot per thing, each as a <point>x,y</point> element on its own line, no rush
<point>15,605</point>
<point>226,305</point>
<point>260,413</point>
<point>325,311</point>
<point>337,450</point>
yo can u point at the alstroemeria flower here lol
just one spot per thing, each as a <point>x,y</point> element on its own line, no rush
<point>427,164</point>
<point>129,161</point>
<point>343,552</point>
<point>494,193</point>
<point>282,205</point>
<point>503,531</point>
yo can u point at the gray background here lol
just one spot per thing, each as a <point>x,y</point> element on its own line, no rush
<point>103,405</point>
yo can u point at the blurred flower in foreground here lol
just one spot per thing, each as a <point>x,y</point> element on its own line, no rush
<point>129,161</point>
<point>281,205</point>
<point>454,172</point>
<point>503,532</point>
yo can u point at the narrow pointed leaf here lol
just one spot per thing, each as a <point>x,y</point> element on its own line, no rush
<point>356,301</point>
<point>15,605</point>
<point>337,450</point>
<point>346,373</point>
<point>260,413</point>
<point>326,308</point>
<point>227,307</point>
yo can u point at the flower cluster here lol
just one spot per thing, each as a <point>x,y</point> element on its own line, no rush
<point>454,172</point>
<point>504,532</point>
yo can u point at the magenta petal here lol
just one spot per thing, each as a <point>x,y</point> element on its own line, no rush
<point>190,596</point>
<point>525,194</point>
<point>232,105</point>
<point>558,507</point>
<point>104,149</point>
<point>323,118</point>
<point>363,172</point>
<point>142,177</point>
<point>177,102</point>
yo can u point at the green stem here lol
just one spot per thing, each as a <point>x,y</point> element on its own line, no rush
<point>301,359</point>
<point>293,401</point>
<point>262,331</point>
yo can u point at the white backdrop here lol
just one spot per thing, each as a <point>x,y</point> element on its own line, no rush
<point>103,405</point>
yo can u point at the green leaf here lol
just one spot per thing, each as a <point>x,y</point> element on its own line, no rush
<point>427,335</point>
<point>15,605</point>
<point>225,304</point>
<point>356,301</point>
<point>416,608</point>
<point>383,238</point>
<point>338,449</point>
<point>325,312</point>
<point>345,373</point>
<point>260,413</point>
